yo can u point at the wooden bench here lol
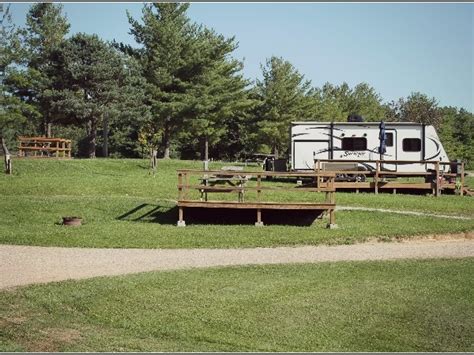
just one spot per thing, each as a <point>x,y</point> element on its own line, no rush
<point>325,183</point>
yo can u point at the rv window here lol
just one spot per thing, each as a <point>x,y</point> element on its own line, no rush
<point>412,145</point>
<point>354,144</point>
<point>389,139</point>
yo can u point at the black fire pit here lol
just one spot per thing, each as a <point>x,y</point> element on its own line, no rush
<point>72,221</point>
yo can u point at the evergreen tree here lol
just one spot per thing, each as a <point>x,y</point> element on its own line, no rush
<point>219,92</point>
<point>46,28</point>
<point>335,103</point>
<point>130,113</point>
<point>457,134</point>
<point>90,89</point>
<point>331,102</point>
<point>417,107</point>
<point>13,111</point>
<point>168,57</point>
<point>365,101</point>
<point>284,96</point>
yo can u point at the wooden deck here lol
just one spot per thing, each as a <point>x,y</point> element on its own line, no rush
<point>238,184</point>
<point>435,181</point>
<point>258,205</point>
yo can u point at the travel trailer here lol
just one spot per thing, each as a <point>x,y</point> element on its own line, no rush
<point>365,142</point>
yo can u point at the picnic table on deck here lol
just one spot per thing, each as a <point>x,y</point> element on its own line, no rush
<point>233,181</point>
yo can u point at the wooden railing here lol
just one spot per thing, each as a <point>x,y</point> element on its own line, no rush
<point>237,181</point>
<point>438,175</point>
<point>44,147</point>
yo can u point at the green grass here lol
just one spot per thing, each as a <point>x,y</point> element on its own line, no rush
<point>42,191</point>
<point>358,306</point>
<point>469,180</point>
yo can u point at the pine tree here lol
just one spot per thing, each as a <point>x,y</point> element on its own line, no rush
<point>417,107</point>
<point>90,89</point>
<point>130,112</point>
<point>457,134</point>
<point>219,91</point>
<point>13,111</point>
<point>335,103</point>
<point>46,28</point>
<point>284,96</point>
<point>168,59</point>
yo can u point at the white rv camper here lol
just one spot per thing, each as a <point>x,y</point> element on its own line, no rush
<point>365,141</point>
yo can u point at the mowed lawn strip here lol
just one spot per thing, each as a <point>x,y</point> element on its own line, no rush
<point>346,306</point>
<point>124,206</point>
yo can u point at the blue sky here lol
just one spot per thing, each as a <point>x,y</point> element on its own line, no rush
<point>396,48</point>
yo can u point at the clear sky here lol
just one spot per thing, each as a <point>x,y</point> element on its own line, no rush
<point>396,48</point>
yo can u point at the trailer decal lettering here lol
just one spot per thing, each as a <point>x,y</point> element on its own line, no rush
<point>349,153</point>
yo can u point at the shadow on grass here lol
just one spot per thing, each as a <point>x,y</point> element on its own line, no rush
<point>168,215</point>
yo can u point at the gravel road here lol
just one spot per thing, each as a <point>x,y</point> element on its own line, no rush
<point>23,265</point>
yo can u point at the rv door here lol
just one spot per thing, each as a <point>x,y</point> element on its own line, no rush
<point>390,149</point>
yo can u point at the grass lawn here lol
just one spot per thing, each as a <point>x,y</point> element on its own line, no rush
<point>357,306</point>
<point>123,206</point>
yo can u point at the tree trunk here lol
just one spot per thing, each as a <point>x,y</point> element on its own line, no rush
<point>105,137</point>
<point>205,153</point>
<point>91,138</point>
<point>7,158</point>
<point>275,151</point>
<point>153,159</point>
<point>48,129</point>
<point>204,148</point>
<point>166,139</point>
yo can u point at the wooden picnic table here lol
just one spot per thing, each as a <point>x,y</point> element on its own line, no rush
<point>44,147</point>
<point>232,181</point>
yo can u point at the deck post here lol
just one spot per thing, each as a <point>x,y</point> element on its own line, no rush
<point>180,186</point>
<point>181,222</point>
<point>462,178</point>
<point>437,182</point>
<point>376,178</point>
<point>259,222</point>
<point>332,196</point>
<point>186,182</point>
<point>318,165</point>
<point>332,220</point>
<point>259,181</point>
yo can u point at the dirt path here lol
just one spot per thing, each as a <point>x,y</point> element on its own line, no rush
<point>23,265</point>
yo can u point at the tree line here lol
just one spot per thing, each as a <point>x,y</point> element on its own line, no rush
<point>178,91</point>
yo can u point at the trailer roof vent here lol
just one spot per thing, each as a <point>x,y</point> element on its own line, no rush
<point>355,118</point>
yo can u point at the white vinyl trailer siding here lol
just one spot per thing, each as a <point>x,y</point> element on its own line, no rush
<point>409,141</point>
